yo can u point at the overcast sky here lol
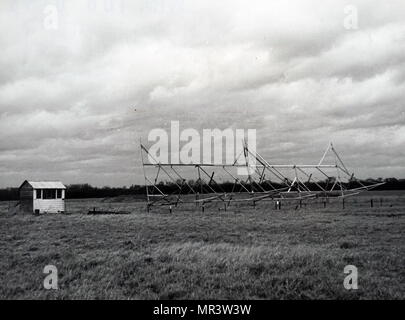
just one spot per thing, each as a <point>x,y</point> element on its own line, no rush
<point>292,70</point>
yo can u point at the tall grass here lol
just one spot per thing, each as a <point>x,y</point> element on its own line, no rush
<point>243,253</point>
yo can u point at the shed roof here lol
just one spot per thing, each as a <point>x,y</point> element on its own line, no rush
<point>45,184</point>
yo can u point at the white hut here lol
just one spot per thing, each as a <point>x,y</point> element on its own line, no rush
<point>42,196</point>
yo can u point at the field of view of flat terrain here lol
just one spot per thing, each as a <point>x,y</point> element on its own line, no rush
<point>240,253</point>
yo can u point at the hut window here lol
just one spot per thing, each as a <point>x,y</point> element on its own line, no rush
<point>49,194</point>
<point>39,196</point>
<point>59,194</point>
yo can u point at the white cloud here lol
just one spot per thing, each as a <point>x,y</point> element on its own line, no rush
<point>288,69</point>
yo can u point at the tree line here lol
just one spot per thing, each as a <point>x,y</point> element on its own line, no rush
<point>82,191</point>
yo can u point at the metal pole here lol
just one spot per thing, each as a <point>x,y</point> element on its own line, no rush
<point>146,180</point>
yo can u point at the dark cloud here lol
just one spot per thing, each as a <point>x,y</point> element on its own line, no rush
<point>290,70</point>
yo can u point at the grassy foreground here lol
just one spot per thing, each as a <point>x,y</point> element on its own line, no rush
<point>243,253</point>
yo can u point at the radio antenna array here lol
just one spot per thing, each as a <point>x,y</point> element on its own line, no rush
<point>262,180</point>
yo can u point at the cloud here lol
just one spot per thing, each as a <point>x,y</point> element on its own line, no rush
<point>289,70</point>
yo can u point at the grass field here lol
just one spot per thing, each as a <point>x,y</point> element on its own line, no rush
<point>243,253</point>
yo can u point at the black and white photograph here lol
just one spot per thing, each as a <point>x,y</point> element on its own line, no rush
<point>210,152</point>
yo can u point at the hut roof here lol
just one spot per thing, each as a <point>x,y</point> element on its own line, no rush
<point>45,184</point>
